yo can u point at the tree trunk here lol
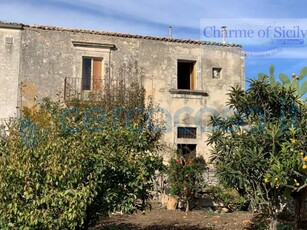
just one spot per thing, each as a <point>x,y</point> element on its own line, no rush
<point>273,223</point>
<point>187,206</point>
<point>300,206</point>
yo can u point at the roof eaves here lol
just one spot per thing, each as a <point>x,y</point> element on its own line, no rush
<point>11,25</point>
<point>221,44</point>
<point>124,35</point>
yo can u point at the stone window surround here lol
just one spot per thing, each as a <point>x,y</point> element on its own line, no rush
<point>219,72</point>
<point>186,132</point>
<point>197,92</point>
<point>186,140</point>
<point>93,50</point>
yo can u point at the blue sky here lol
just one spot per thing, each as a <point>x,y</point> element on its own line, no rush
<point>153,17</point>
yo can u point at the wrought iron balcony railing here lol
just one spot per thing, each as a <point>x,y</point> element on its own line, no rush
<point>86,89</point>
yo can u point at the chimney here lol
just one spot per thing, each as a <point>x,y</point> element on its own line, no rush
<point>224,34</point>
<point>170,32</point>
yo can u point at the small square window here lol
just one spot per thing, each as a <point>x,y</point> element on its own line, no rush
<point>186,132</point>
<point>216,72</point>
<point>186,75</point>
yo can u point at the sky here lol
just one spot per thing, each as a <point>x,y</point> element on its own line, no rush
<point>188,19</point>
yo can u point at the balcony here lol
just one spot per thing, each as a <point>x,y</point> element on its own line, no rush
<point>89,89</point>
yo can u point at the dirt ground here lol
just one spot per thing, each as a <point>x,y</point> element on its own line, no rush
<point>160,218</point>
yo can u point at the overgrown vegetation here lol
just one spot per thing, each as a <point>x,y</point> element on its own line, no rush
<point>60,166</point>
<point>185,177</point>
<point>229,197</point>
<point>261,148</point>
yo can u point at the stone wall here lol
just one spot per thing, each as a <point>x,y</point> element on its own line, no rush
<point>10,38</point>
<point>48,55</point>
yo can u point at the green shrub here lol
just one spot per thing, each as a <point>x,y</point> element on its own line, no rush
<point>60,166</point>
<point>228,196</point>
<point>185,177</point>
<point>260,149</point>
<point>46,184</point>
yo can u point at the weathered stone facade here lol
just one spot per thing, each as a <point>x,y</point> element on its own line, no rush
<point>10,37</point>
<point>35,60</point>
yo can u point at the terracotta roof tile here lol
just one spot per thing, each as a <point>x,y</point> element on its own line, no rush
<point>123,35</point>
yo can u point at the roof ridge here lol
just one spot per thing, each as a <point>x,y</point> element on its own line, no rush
<point>124,35</point>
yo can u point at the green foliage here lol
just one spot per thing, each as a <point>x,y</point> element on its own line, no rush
<point>228,196</point>
<point>185,176</point>
<point>60,166</point>
<point>303,73</point>
<point>303,88</point>
<point>284,78</point>
<point>260,148</point>
<point>272,70</point>
<point>296,84</point>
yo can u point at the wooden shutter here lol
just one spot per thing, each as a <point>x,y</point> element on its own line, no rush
<point>192,76</point>
<point>97,70</point>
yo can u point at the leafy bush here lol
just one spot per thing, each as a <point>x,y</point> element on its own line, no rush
<point>185,177</point>
<point>260,149</point>
<point>59,166</point>
<point>228,196</point>
<point>45,181</point>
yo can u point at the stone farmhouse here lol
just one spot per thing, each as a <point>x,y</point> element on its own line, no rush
<point>189,79</point>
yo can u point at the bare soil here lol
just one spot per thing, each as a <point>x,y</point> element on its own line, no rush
<point>160,218</point>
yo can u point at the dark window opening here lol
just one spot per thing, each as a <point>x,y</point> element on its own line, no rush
<point>186,132</point>
<point>91,74</point>
<point>186,150</point>
<point>216,72</point>
<point>86,74</point>
<point>185,75</point>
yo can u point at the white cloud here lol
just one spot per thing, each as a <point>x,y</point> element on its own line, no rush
<point>44,15</point>
<point>141,17</point>
<point>148,17</point>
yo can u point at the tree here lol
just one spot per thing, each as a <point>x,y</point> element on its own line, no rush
<point>185,177</point>
<point>261,148</point>
<point>59,166</point>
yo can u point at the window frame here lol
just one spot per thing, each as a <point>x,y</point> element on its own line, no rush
<point>93,86</point>
<point>192,75</point>
<point>187,152</point>
<point>186,132</point>
<point>219,72</point>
